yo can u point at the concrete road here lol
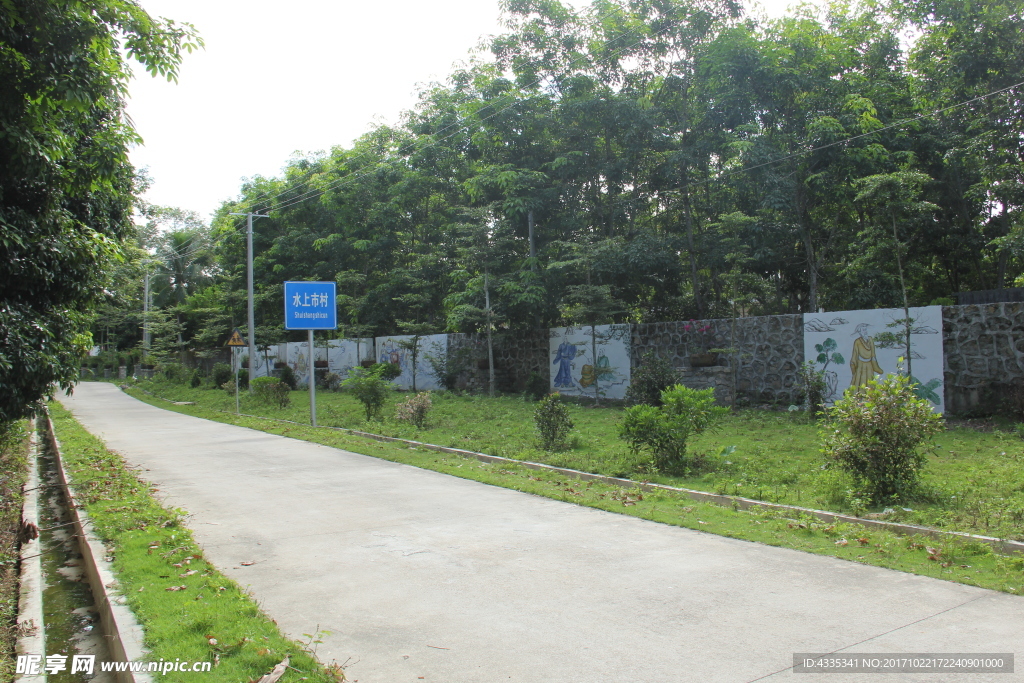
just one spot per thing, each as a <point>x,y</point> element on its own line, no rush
<point>423,576</point>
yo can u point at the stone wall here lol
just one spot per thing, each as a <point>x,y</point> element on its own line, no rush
<point>983,347</point>
<point>517,355</point>
<point>768,349</point>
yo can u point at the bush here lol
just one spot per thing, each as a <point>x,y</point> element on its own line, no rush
<point>197,379</point>
<point>448,364</point>
<point>812,381</point>
<point>221,373</point>
<point>536,386</point>
<point>288,377</point>
<point>387,371</point>
<point>243,379</point>
<point>874,434</point>
<point>330,381</point>
<point>174,372</point>
<point>415,409</point>
<point>649,380</point>
<point>369,387</point>
<point>270,391</point>
<point>553,423</point>
<point>664,430</point>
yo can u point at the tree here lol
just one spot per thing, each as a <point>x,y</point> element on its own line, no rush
<point>66,187</point>
<point>894,198</point>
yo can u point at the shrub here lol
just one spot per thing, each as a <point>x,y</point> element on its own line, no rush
<point>331,381</point>
<point>369,387</point>
<point>387,371</point>
<point>812,381</point>
<point>221,373</point>
<point>197,379</point>
<point>243,379</point>
<point>229,387</point>
<point>448,364</point>
<point>536,386</point>
<point>288,377</point>
<point>874,434</point>
<point>553,423</point>
<point>649,380</point>
<point>271,391</point>
<point>664,430</point>
<point>415,409</point>
<point>175,372</point>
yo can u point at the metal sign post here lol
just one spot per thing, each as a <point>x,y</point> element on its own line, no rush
<point>234,343</point>
<point>310,306</point>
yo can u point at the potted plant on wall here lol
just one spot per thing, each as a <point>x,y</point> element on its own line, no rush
<point>704,358</point>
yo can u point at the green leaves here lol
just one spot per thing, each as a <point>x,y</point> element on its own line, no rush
<point>874,433</point>
<point>664,431</point>
<point>66,187</point>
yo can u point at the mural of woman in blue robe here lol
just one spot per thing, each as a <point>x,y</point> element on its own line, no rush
<point>564,356</point>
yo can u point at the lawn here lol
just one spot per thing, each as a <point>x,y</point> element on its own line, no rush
<point>973,480</point>
<point>187,608</point>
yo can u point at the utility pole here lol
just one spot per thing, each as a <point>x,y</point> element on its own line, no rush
<point>252,319</point>
<point>145,320</point>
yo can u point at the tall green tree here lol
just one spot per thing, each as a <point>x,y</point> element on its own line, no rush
<point>66,187</point>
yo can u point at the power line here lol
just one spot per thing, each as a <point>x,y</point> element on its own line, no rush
<point>898,124</point>
<point>355,176</point>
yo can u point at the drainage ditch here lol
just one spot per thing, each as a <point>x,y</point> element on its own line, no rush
<point>72,622</point>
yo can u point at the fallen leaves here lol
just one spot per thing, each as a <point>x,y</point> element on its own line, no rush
<point>276,674</point>
<point>176,588</point>
<point>247,563</point>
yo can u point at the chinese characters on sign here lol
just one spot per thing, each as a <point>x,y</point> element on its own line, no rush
<point>310,306</point>
<point>30,665</point>
<point>306,299</point>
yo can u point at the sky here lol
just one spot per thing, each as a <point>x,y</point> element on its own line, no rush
<point>279,78</point>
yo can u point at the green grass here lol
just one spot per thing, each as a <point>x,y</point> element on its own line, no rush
<point>210,618</point>
<point>13,471</point>
<point>501,427</point>
<point>973,481</point>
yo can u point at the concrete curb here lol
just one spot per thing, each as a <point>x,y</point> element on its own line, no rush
<point>1000,545</point>
<point>30,596</point>
<point>122,633</point>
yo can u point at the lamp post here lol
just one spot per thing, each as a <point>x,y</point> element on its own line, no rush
<point>252,320</point>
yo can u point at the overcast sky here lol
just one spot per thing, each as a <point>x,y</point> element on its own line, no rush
<point>283,77</point>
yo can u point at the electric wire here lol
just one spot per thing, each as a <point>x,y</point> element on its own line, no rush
<point>460,124</point>
<point>351,177</point>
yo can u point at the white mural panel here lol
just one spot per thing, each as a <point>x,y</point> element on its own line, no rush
<point>389,350</point>
<point>575,372</point>
<point>264,361</point>
<point>854,347</point>
<point>345,354</point>
<point>297,357</point>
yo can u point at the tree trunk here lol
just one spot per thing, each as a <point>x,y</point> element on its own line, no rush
<point>533,241</point>
<point>490,345</point>
<point>695,283</point>
<point>903,288</point>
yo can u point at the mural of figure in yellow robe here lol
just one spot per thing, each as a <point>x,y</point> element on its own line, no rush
<point>863,364</point>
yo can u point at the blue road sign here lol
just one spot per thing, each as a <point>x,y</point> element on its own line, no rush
<point>310,306</point>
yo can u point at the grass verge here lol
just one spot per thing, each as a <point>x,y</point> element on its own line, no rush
<point>13,469</point>
<point>954,560</point>
<point>973,481</point>
<point>187,609</point>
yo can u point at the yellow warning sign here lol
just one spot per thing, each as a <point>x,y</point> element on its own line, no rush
<point>236,339</point>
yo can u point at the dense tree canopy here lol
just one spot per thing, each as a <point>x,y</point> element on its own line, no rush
<point>678,157</point>
<point>66,187</point>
